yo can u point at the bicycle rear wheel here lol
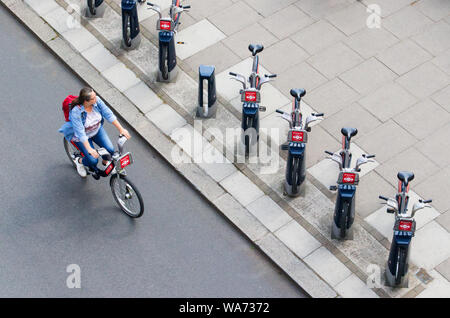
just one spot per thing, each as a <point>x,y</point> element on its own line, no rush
<point>71,151</point>
<point>127,196</point>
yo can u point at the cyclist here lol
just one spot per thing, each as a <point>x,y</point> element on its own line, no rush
<point>87,114</point>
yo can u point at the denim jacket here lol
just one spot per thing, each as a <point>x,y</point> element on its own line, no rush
<point>77,117</point>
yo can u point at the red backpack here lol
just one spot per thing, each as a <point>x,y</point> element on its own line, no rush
<point>66,105</point>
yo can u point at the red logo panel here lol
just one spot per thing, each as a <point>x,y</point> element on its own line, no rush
<point>125,161</point>
<point>297,136</point>
<point>109,168</point>
<point>165,25</point>
<point>348,178</point>
<point>250,96</point>
<point>405,226</point>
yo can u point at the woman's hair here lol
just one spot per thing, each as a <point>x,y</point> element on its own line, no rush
<point>85,95</point>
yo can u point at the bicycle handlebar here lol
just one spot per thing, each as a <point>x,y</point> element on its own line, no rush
<point>233,74</point>
<point>383,198</point>
<point>329,152</point>
<point>279,111</point>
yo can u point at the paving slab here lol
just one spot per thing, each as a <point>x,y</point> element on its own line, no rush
<point>307,37</point>
<point>355,288</point>
<point>121,77</point>
<point>442,97</point>
<point>240,13</point>
<point>58,19</point>
<point>268,7</point>
<point>409,160</point>
<point>436,187</point>
<point>434,235</point>
<point>352,116</point>
<point>388,101</point>
<point>381,143</point>
<point>404,56</point>
<point>368,42</point>
<point>434,38</point>
<point>438,288</point>
<point>406,22</point>
<point>287,21</point>
<point>327,266</point>
<point>388,6</point>
<point>80,39</point>
<point>444,220</point>
<point>295,268</point>
<point>297,239</point>
<point>335,60</point>
<point>444,269</point>
<point>269,213</point>
<point>368,76</point>
<point>286,48</point>
<point>99,57</point>
<point>443,61</point>
<point>320,9</point>
<point>254,33</point>
<point>331,97</point>
<point>197,37</point>
<point>166,118</point>
<point>143,97</point>
<point>241,188</point>
<point>246,222</point>
<point>201,9</point>
<point>422,119</point>
<point>42,7</point>
<point>351,19</point>
<point>434,9</point>
<point>436,146</point>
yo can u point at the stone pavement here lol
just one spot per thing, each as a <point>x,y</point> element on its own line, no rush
<point>392,83</point>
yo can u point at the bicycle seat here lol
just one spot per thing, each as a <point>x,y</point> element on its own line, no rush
<point>349,132</point>
<point>405,177</point>
<point>255,48</point>
<point>298,93</point>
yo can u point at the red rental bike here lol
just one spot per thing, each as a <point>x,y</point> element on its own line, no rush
<point>124,191</point>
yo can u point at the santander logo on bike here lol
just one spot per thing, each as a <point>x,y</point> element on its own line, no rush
<point>164,25</point>
<point>297,136</point>
<point>405,225</point>
<point>348,178</point>
<point>125,161</point>
<point>250,96</point>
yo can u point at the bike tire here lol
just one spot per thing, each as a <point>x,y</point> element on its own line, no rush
<point>116,179</point>
<point>247,138</point>
<point>127,30</point>
<point>343,220</point>
<point>401,262</point>
<point>91,5</point>
<point>295,173</point>
<point>71,150</point>
<point>164,65</point>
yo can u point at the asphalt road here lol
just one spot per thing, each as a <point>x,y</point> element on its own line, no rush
<point>51,218</point>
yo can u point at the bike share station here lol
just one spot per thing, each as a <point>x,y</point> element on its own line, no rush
<point>94,9</point>
<point>396,270</point>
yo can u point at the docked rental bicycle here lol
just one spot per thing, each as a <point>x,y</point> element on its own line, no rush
<point>296,143</point>
<point>168,27</point>
<point>124,192</point>
<point>348,179</point>
<point>250,97</point>
<point>404,229</point>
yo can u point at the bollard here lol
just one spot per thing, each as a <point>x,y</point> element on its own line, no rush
<point>207,109</point>
<point>131,37</point>
<point>94,9</point>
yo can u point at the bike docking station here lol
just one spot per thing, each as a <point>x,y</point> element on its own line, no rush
<point>94,9</point>
<point>131,36</point>
<point>167,27</point>
<point>207,107</point>
<point>296,144</point>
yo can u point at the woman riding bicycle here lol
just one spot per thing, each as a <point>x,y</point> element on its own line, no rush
<point>87,114</point>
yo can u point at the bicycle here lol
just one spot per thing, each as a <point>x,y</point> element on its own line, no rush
<point>124,191</point>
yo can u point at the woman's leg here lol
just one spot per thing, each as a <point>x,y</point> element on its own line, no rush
<point>102,140</point>
<point>88,160</point>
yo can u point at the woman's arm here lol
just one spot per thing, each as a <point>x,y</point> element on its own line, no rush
<point>121,130</point>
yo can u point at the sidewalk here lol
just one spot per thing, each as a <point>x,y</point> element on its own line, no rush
<point>332,51</point>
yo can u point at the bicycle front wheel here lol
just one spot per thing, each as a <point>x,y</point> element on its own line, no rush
<point>127,196</point>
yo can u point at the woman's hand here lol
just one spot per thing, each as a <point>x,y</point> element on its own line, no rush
<point>93,153</point>
<point>125,132</point>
